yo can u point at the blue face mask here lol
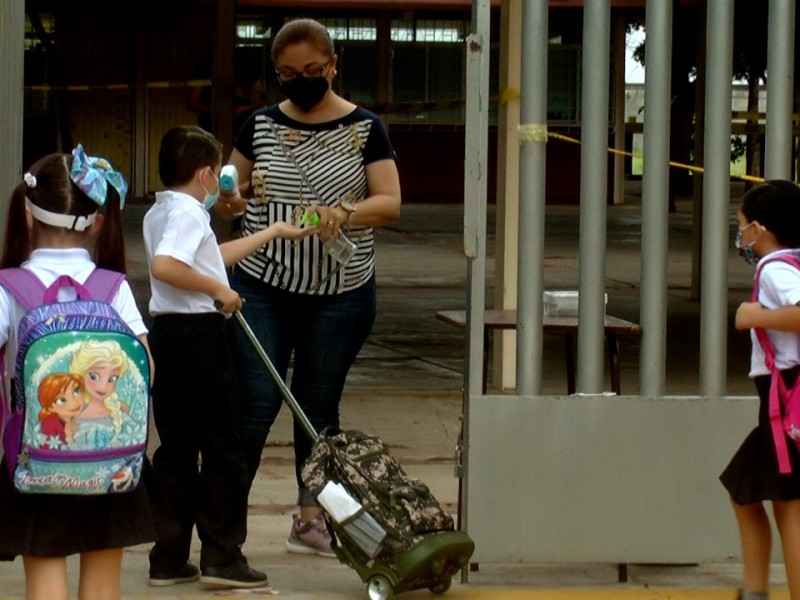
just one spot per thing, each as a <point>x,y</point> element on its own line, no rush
<point>211,199</point>
<point>745,251</point>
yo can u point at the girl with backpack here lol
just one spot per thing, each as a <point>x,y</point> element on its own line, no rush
<point>769,234</point>
<point>66,205</point>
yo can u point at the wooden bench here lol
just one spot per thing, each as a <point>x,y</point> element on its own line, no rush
<point>507,319</point>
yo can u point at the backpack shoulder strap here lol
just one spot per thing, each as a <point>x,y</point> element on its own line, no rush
<point>761,334</point>
<point>777,387</point>
<point>24,285</point>
<point>104,284</point>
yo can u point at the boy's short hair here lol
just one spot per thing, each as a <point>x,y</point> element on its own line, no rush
<point>183,151</point>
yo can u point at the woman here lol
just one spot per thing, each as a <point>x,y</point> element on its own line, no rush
<point>314,158</point>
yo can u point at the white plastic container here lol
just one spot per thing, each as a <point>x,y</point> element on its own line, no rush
<point>228,178</point>
<point>563,303</point>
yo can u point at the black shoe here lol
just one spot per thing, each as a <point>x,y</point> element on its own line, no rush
<point>184,574</point>
<point>236,574</point>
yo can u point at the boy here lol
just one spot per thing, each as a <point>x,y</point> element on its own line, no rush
<point>195,395</point>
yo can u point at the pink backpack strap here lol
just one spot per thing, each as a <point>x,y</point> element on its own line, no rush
<point>777,387</point>
<point>29,291</point>
<point>23,285</point>
<point>104,284</point>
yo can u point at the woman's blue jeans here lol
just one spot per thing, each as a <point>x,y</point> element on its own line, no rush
<point>322,334</point>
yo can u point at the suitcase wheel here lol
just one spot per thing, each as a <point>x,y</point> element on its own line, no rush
<point>441,587</point>
<point>379,588</point>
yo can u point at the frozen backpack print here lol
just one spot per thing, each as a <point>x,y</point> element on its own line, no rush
<point>76,421</point>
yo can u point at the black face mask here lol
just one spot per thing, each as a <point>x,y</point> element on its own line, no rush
<point>305,92</point>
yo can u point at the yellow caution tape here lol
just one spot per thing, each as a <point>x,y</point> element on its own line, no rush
<point>534,132</point>
<point>672,163</point>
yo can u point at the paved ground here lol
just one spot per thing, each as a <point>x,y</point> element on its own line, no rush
<point>406,387</point>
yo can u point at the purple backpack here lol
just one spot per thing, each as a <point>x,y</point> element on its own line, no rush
<point>784,402</point>
<point>77,418</point>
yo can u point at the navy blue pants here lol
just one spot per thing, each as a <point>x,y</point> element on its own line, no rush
<point>323,334</point>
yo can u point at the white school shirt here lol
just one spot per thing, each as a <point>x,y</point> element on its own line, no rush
<point>48,264</point>
<point>779,285</point>
<point>177,225</point>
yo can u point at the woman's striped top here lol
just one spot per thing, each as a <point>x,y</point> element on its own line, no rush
<point>333,157</point>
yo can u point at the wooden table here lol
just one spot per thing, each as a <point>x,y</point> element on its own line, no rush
<point>507,319</point>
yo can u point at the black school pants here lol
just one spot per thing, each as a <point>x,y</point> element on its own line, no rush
<point>200,464</point>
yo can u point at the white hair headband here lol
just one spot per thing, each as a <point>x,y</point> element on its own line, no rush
<point>75,222</point>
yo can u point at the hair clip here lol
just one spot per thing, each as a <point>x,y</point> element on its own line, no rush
<point>93,174</point>
<point>30,180</point>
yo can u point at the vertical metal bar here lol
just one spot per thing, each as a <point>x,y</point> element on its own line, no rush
<point>655,198</point>
<point>12,44</point>
<point>475,172</point>
<point>533,136</point>
<point>699,145</point>
<point>593,193</point>
<point>223,79</point>
<point>780,84</point>
<point>620,28</point>
<point>716,199</point>
<point>140,142</point>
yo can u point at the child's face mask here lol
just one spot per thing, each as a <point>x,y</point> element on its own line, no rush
<point>745,250</point>
<point>211,199</point>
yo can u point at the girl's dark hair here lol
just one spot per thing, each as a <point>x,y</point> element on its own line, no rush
<point>776,205</point>
<point>299,31</point>
<point>183,151</point>
<point>54,191</point>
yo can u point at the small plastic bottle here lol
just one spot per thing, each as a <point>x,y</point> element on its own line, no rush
<point>341,250</point>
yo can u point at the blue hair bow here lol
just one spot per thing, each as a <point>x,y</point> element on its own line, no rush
<point>93,174</point>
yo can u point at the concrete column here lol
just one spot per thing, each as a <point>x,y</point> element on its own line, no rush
<point>507,208</point>
<point>12,35</point>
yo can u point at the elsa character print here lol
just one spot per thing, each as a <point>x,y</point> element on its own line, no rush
<point>101,364</point>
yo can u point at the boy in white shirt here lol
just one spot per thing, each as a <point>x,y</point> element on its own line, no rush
<point>196,395</point>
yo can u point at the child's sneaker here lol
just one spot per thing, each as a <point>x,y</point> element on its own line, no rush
<point>186,573</point>
<point>311,537</point>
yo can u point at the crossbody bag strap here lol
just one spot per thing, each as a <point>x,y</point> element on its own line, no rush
<point>290,155</point>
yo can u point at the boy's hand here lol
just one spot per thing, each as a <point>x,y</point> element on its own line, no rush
<point>747,314</point>
<point>227,300</point>
<point>282,229</point>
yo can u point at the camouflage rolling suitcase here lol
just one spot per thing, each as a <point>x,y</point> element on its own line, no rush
<point>386,526</point>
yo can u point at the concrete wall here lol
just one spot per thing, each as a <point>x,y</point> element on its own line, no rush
<point>604,478</point>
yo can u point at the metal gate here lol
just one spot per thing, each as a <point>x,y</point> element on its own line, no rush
<point>594,477</point>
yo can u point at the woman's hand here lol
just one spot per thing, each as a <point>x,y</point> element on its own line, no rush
<point>330,220</point>
<point>231,204</point>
